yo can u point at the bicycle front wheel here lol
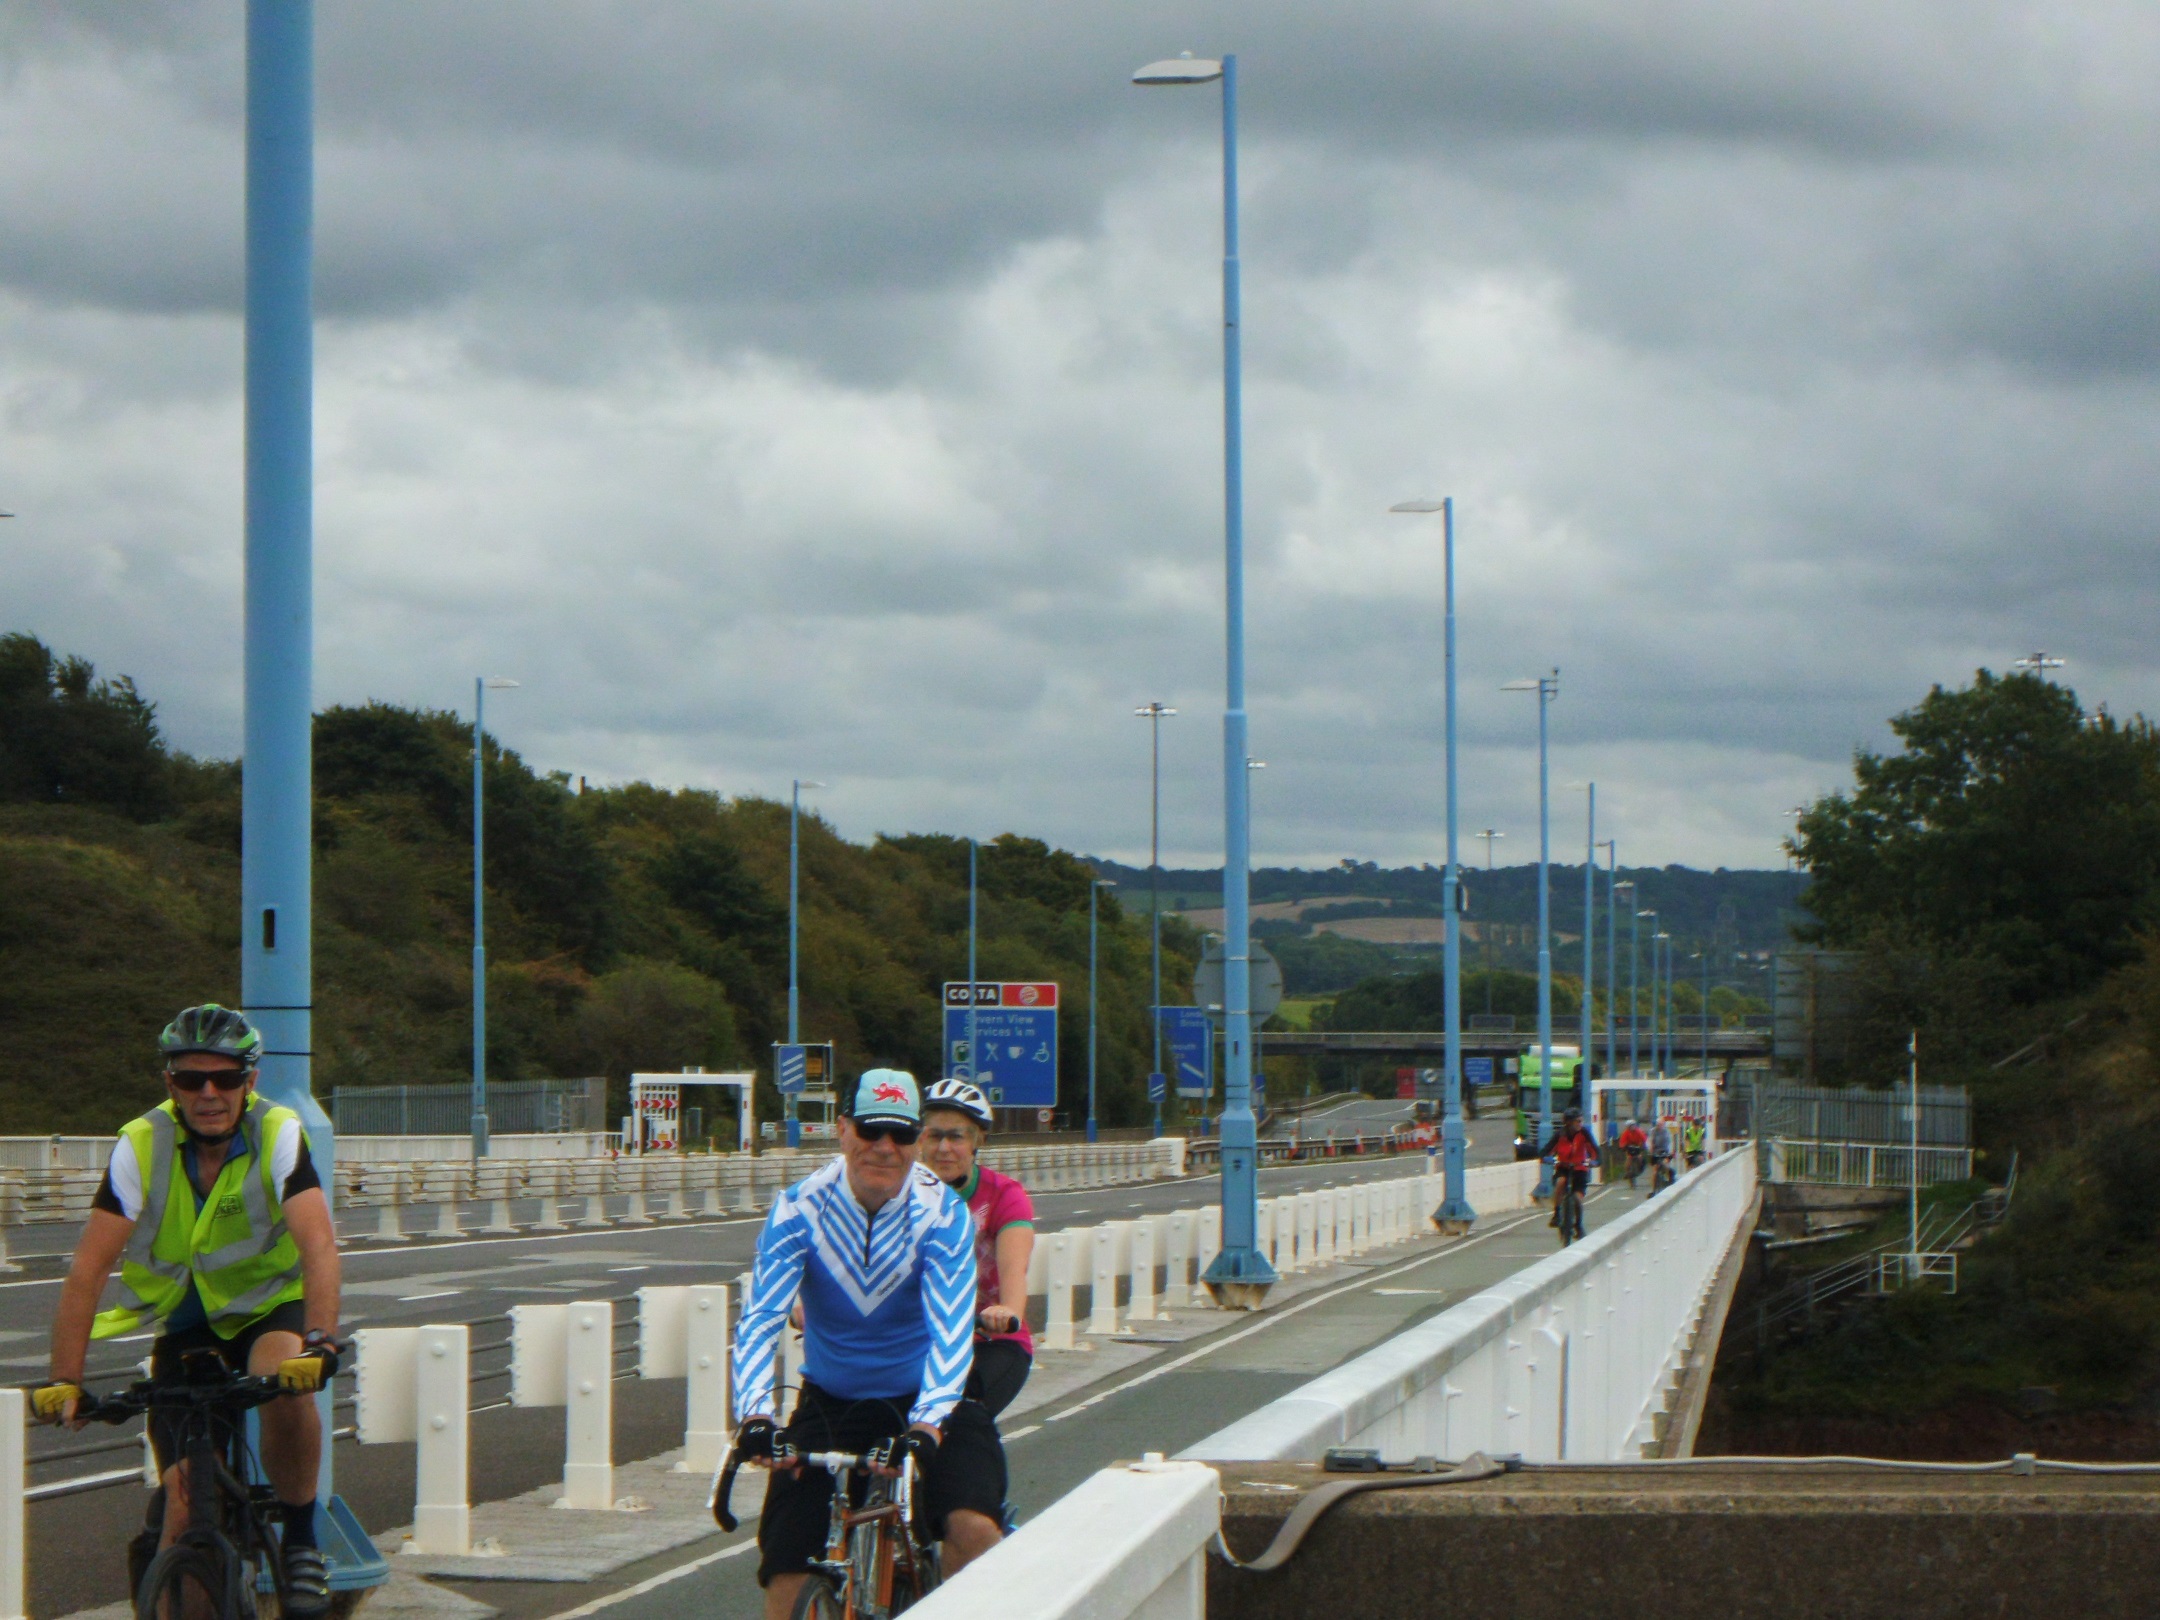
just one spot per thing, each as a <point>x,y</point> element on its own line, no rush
<point>816,1601</point>
<point>183,1583</point>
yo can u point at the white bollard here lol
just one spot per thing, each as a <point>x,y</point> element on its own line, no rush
<point>1308,1230</point>
<point>564,1355</point>
<point>13,1544</point>
<point>550,1220</point>
<point>1177,1260</point>
<point>1058,1284</point>
<point>491,1183</point>
<point>389,1228</point>
<point>634,1172</point>
<point>1103,1252</point>
<point>1206,1246</point>
<point>1360,1219</point>
<point>1141,1308</point>
<point>683,1333</point>
<point>592,1184</point>
<point>442,1519</point>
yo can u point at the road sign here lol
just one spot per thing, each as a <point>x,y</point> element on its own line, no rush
<point>1207,982</point>
<point>1191,1039</point>
<point>1016,1025</point>
<point>800,1068</point>
<point>1477,1071</point>
<point>1155,1088</point>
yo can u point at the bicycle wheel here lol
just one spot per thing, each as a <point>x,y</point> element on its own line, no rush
<point>816,1601</point>
<point>183,1582</point>
<point>910,1588</point>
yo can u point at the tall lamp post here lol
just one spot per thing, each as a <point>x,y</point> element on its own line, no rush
<point>481,686</point>
<point>1488,834</point>
<point>794,951</point>
<point>1155,714</point>
<point>1611,847</point>
<point>1634,1040</point>
<point>1589,951</point>
<point>1547,688</point>
<point>1706,1012</point>
<point>974,1069</point>
<point>1240,1275</point>
<point>1455,1213</point>
<point>1095,887</point>
<point>1661,1011</point>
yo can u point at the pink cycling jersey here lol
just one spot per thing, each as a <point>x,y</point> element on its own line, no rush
<point>997,1202</point>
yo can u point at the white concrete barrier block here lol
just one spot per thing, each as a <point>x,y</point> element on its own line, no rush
<point>1103,1279</point>
<point>589,1430</point>
<point>705,1430</point>
<point>1058,1274</point>
<point>442,1516</point>
<point>14,1543</point>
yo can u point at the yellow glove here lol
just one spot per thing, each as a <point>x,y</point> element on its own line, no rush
<point>301,1375</point>
<point>50,1401</point>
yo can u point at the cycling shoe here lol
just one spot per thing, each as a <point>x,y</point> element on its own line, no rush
<point>307,1583</point>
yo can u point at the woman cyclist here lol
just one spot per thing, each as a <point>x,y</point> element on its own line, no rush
<point>956,1117</point>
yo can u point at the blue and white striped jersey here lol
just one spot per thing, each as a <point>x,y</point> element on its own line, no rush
<point>888,1299</point>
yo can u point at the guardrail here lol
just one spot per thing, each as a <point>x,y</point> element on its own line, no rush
<point>1860,1164</point>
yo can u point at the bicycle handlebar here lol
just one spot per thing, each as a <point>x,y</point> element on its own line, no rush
<point>239,1393</point>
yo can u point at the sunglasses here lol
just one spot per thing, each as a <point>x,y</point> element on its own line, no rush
<point>898,1135</point>
<point>193,1080</point>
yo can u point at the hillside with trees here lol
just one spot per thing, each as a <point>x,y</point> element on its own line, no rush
<point>630,928</point>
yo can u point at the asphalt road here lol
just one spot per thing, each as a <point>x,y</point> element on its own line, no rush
<point>477,1280</point>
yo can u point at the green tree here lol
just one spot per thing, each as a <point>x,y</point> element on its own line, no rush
<point>67,737</point>
<point>2011,828</point>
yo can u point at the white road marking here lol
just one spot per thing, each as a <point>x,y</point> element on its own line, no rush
<point>1020,1434</point>
<point>440,1293</point>
<point>654,1582</point>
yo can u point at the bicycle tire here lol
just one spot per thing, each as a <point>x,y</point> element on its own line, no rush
<point>905,1591</point>
<point>816,1601</point>
<point>172,1573</point>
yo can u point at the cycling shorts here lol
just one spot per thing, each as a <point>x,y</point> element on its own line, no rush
<point>968,1472</point>
<point>1001,1368</point>
<point>167,1349</point>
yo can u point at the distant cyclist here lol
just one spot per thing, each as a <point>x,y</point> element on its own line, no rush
<point>1634,1142</point>
<point>882,1255</point>
<point>1662,1149</point>
<point>1694,1140</point>
<point>956,1116</point>
<point>212,1208</point>
<point>1574,1153</point>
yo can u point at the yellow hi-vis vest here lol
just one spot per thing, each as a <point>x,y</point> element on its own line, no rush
<point>234,1243</point>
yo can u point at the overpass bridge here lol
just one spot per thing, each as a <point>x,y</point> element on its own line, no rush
<point>1430,1045</point>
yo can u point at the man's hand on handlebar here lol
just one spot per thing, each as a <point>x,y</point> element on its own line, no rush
<point>998,1319</point>
<point>313,1368</point>
<point>758,1442</point>
<point>57,1403</point>
<point>889,1457</point>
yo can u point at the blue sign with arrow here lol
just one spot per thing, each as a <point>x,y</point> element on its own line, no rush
<point>1191,1039</point>
<point>790,1070</point>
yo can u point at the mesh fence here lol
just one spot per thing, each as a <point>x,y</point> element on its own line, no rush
<point>514,1107</point>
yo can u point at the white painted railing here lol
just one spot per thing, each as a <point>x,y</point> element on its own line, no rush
<point>1571,1358</point>
<point>1861,1164</point>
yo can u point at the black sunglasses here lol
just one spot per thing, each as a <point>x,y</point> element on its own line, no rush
<point>193,1080</point>
<point>898,1135</point>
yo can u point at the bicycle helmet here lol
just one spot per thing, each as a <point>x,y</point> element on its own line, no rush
<point>961,1096</point>
<point>213,1029</point>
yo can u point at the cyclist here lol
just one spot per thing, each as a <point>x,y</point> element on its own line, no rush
<point>213,1210</point>
<point>1693,1139</point>
<point>882,1255</point>
<point>1633,1142</point>
<point>956,1116</point>
<point>1661,1156</point>
<point>1574,1153</point>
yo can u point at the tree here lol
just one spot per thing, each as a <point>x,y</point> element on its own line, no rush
<point>67,737</point>
<point>2012,828</point>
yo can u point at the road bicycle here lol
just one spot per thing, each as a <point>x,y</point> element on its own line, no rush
<point>1567,1208</point>
<point>877,1562</point>
<point>1661,1174</point>
<point>216,1567</point>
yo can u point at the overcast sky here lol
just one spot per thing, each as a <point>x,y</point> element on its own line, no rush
<point>832,389</point>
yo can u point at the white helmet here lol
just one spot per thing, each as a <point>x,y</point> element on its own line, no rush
<point>960,1095</point>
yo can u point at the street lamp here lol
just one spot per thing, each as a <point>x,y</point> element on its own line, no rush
<point>794,954</point>
<point>1155,714</point>
<point>482,685</point>
<point>1660,951</point>
<point>2038,663</point>
<point>1705,955</point>
<point>1095,887</point>
<point>1589,952</point>
<point>1547,688</point>
<point>1455,1213</point>
<point>1634,1039</point>
<point>1488,834</point>
<point>974,1068</point>
<point>1611,846</point>
<point>1240,1275</point>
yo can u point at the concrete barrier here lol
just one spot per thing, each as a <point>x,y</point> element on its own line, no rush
<point>414,1385</point>
<point>564,1355</point>
<point>683,1333</point>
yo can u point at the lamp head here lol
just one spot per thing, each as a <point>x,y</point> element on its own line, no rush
<point>498,683</point>
<point>1418,506</point>
<point>1185,69</point>
<point>800,785</point>
<point>1527,684</point>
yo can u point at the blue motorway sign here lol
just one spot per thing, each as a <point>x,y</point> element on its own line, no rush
<point>1155,1087</point>
<point>1019,1053</point>
<point>789,1068</point>
<point>1477,1071</point>
<point>1191,1039</point>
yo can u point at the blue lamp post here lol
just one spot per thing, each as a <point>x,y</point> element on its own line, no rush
<point>1705,953</point>
<point>1454,1214</point>
<point>1155,714</point>
<point>1611,846</point>
<point>1589,953</point>
<point>1095,887</point>
<point>1547,687</point>
<point>481,686</point>
<point>1634,1040</point>
<point>794,953</point>
<point>1240,1275</point>
<point>974,1070</point>
<point>1660,999</point>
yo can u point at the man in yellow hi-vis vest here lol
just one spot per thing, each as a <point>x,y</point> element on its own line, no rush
<point>213,1211</point>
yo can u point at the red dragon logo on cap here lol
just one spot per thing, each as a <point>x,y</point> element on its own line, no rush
<point>888,1091</point>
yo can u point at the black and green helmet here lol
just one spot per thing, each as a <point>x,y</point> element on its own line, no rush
<point>214,1029</point>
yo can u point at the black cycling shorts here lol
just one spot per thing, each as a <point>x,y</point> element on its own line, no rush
<point>968,1472</point>
<point>1001,1368</point>
<point>167,1349</point>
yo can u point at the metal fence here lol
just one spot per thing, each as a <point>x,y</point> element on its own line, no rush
<point>1855,1114</point>
<point>1860,1164</point>
<point>513,1106</point>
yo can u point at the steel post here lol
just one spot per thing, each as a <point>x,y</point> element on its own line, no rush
<point>1455,1213</point>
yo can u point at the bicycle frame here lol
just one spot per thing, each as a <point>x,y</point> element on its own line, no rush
<point>867,1546</point>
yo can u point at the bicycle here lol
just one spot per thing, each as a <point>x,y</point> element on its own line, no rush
<point>1661,1174</point>
<point>215,1568</point>
<point>1567,1208</point>
<point>876,1561</point>
<point>1634,1166</point>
